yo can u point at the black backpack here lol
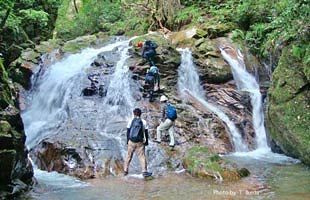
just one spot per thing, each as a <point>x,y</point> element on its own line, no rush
<point>150,78</point>
<point>136,130</point>
<point>150,44</point>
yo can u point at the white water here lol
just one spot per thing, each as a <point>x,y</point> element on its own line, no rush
<point>55,89</point>
<point>246,82</point>
<point>119,95</point>
<point>189,82</point>
<point>50,98</point>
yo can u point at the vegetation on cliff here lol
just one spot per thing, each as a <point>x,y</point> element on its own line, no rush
<point>24,23</point>
<point>17,170</point>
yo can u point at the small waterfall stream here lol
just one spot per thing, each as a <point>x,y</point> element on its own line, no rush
<point>246,82</point>
<point>188,82</point>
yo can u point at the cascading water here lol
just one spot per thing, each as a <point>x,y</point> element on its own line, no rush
<point>188,82</point>
<point>246,82</point>
<point>53,101</point>
<point>119,96</point>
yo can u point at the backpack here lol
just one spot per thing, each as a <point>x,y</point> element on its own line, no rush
<point>151,44</point>
<point>154,70</point>
<point>171,112</point>
<point>150,78</point>
<point>136,130</point>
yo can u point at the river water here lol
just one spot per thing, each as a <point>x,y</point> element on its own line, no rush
<point>268,181</point>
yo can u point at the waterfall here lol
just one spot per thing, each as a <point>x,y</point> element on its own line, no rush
<point>56,88</point>
<point>119,96</point>
<point>246,82</point>
<point>188,82</point>
<point>54,96</point>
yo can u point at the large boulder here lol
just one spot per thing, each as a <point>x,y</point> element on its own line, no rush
<point>289,109</point>
<point>200,162</point>
<point>15,169</point>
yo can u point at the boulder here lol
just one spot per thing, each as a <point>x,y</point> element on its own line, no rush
<point>288,115</point>
<point>200,162</point>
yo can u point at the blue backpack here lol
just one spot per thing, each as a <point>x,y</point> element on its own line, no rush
<point>171,112</point>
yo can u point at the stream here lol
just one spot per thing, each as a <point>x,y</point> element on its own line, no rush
<point>51,104</point>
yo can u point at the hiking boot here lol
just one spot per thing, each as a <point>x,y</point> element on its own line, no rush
<point>125,173</point>
<point>157,141</point>
<point>171,147</point>
<point>147,174</point>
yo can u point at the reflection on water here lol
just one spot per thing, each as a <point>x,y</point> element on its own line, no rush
<point>268,181</point>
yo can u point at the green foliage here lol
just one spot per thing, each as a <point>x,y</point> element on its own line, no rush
<point>92,17</point>
<point>105,16</point>
<point>24,23</point>
<point>188,15</point>
<point>270,24</point>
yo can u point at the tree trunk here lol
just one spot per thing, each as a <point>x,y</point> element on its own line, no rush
<point>75,6</point>
<point>163,12</point>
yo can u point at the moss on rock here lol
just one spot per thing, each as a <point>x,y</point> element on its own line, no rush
<point>211,66</point>
<point>200,162</point>
<point>289,109</point>
<point>76,45</point>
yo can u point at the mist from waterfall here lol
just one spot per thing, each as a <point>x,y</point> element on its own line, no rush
<point>247,83</point>
<point>188,82</point>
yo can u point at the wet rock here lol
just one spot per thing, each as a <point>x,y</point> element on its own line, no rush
<point>211,66</point>
<point>288,111</point>
<point>15,168</point>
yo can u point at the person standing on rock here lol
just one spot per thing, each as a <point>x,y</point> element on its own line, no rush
<point>169,115</point>
<point>137,139</point>
<point>149,51</point>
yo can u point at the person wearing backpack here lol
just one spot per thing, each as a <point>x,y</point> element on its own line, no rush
<point>149,83</point>
<point>137,139</point>
<point>155,71</point>
<point>149,51</point>
<point>169,115</point>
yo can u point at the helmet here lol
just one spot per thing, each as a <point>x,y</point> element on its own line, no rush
<point>163,98</point>
<point>137,112</point>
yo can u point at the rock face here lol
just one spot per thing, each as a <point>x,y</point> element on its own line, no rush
<point>289,108</point>
<point>15,169</point>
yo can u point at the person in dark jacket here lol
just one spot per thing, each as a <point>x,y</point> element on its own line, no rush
<point>149,51</point>
<point>137,144</point>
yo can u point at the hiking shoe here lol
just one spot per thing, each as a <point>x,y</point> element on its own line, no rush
<point>157,141</point>
<point>147,174</point>
<point>125,173</point>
